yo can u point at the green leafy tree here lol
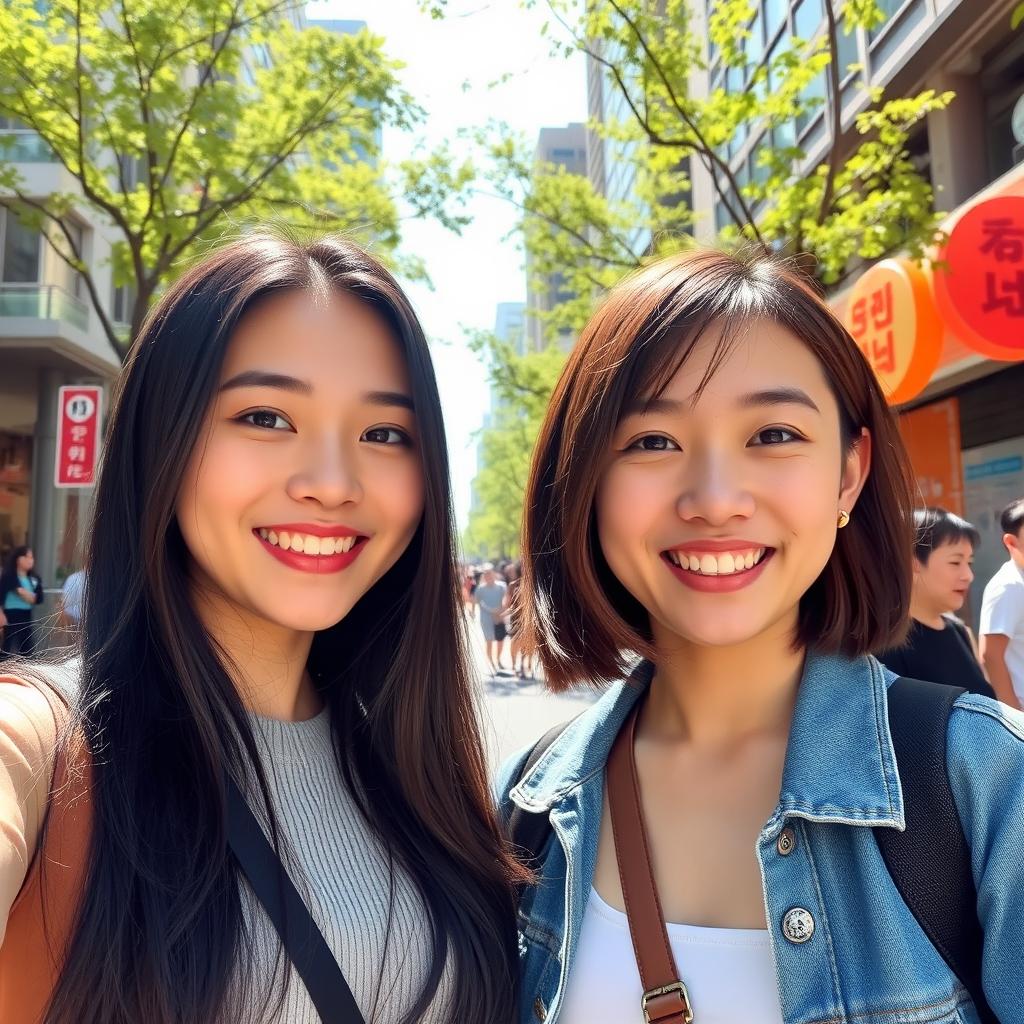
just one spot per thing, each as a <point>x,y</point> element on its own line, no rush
<point>864,199</point>
<point>178,121</point>
<point>521,386</point>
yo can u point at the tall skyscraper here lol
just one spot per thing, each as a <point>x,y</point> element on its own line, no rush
<point>566,147</point>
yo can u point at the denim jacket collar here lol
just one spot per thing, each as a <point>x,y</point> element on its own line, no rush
<point>853,783</point>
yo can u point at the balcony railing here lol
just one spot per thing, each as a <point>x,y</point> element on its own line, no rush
<point>23,147</point>
<point>43,302</point>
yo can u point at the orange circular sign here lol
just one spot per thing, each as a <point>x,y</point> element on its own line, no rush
<point>979,288</point>
<point>893,319</point>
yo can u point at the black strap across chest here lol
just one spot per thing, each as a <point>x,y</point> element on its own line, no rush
<point>929,863</point>
<point>301,938</point>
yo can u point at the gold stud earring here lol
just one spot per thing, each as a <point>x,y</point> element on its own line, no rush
<point>844,518</point>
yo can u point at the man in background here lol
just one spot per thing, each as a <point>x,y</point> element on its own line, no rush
<point>490,598</point>
<point>1002,614</point>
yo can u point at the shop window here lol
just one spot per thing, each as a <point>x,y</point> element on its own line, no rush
<point>21,252</point>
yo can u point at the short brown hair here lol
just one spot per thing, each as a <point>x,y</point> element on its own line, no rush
<point>584,623</point>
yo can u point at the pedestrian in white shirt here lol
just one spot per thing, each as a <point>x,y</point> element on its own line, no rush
<point>71,597</point>
<point>1002,613</point>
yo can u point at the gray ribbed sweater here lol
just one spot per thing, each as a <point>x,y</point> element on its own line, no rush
<point>347,884</point>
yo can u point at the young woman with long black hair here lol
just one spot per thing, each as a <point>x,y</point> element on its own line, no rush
<point>758,825</point>
<point>272,605</point>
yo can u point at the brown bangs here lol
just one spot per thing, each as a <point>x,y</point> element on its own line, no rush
<point>585,625</point>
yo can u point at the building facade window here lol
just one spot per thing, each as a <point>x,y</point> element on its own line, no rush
<point>21,253</point>
<point>807,18</point>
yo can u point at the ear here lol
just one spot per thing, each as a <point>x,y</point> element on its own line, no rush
<point>856,467</point>
<point>1009,541</point>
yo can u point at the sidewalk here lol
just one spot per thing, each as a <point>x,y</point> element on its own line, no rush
<point>516,712</point>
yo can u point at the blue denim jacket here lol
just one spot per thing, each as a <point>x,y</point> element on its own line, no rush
<point>868,961</point>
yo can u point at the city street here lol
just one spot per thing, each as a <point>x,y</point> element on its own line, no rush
<point>516,712</point>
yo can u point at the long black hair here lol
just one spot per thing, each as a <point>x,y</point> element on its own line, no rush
<point>160,936</point>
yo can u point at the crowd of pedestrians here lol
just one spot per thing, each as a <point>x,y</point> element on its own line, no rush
<point>493,591</point>
<point>256,788</point>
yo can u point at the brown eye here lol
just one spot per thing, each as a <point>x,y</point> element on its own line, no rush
<point>654,443</point>
<point>386,435</point>
<point>266,420</point>
<point>775,435</point>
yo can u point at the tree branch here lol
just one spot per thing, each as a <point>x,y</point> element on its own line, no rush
<point>836,109</point>
<point>687,119</point>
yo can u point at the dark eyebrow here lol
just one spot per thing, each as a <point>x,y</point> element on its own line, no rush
<point>651,406</point>
<point>392,398</point>
<point>770,396</point>
<point>281,381</point>
<point>778,396</point>
<point>265,379</point>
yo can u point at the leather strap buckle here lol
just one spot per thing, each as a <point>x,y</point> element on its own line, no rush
<point>652,1014</point>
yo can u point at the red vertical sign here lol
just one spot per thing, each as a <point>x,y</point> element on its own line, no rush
<point>78,430</point>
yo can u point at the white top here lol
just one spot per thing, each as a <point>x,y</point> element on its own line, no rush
<point>1002,611</point>
<point>729,972</point>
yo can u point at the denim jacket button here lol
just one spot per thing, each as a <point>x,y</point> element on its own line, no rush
<point>798,925</point>
<point>539,1009</point>
<point>787,842</point>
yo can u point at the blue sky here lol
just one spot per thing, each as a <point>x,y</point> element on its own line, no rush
<point>479,43</point>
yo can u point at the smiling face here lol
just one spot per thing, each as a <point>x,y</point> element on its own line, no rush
<point>26,563</point>
<point>717,513</point>
<point>941,584</point>
<point>306,484</point>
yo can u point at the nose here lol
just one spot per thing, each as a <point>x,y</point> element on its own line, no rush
<point>327,474</point>
<point>714,490</point>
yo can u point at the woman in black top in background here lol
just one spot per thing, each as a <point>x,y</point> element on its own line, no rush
<point>939,647</point>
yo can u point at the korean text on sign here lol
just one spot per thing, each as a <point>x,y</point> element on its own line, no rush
<point>78,426</point>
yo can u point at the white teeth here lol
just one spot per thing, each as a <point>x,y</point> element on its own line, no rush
<point>307,544</point>
<point>724,564</point>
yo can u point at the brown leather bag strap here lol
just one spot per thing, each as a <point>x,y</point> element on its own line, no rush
<point>665,999</point>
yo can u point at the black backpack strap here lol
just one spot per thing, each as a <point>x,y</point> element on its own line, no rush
<point>930,863</point>
<point>529,830</point>
<point>300,936</point>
